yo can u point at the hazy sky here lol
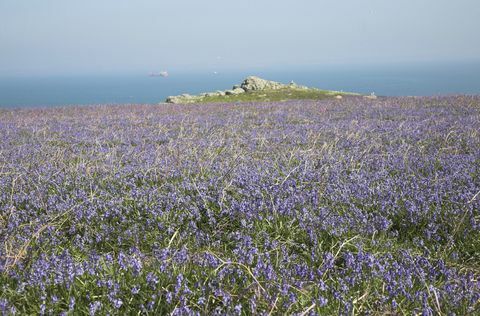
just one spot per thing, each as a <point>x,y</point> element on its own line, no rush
<point>45,37</point>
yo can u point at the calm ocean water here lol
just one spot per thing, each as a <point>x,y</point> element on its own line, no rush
<point>440,79</point>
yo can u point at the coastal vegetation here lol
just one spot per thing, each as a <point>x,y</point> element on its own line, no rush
<point>308,207</point>
<point>255,89</point>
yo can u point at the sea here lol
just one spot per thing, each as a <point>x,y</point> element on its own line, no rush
<point>428,79</point>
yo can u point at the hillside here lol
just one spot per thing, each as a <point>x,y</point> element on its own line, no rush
<point>255,89</point>
<point>350,207</point>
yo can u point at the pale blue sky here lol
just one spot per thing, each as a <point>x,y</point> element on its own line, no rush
<point>47,37</point>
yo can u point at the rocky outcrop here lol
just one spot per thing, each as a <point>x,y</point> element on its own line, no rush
<point>184,98</point>
<point>255,83</point>
<point>251,83</point>
<point>235,91</point>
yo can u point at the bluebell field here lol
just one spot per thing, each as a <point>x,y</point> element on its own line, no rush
<point>351,206</point>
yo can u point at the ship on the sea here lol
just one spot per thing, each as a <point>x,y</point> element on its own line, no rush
<point>159,74</point>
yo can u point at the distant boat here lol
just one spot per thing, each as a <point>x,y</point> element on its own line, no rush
<point>159,74</point>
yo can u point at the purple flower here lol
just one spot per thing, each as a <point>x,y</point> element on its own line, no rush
<point>238,309</point>
<point>71,305</point>
<point>135,290</point>
<point>117,303</point>
<point>94,307</point>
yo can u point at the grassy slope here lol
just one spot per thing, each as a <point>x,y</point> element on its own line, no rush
<point>274,95</point>
<point>212,199</point>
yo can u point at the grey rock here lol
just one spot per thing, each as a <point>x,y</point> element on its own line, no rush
<point>170,99</point>
<point>238,91</point>
<point>182,99</point>
<point>251,83</point>
<point>234,91</point>
<point>256,83</point>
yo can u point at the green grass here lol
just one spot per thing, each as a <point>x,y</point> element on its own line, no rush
<point>273,96</point>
